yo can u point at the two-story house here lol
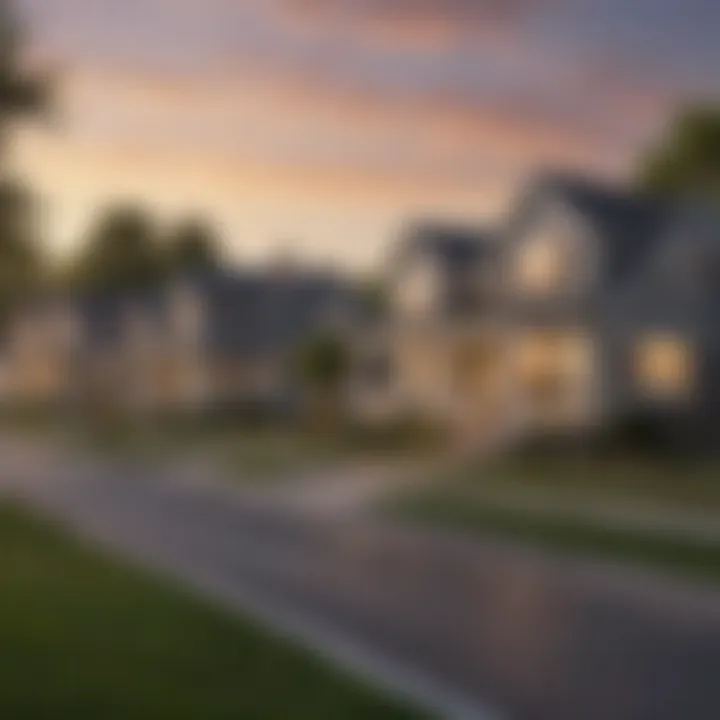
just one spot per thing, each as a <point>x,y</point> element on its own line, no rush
<point>588,304</point>
<point>443,288</point>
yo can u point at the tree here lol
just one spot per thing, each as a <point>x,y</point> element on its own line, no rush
<point>122,252</point>
<point>323,364</point>
<point>19,93</point>
<point>688,158</point>
<point>375,297</point>
<point>20,257</point>
<point>192,245</point>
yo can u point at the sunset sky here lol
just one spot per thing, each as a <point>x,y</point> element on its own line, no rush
<point>321,125</point>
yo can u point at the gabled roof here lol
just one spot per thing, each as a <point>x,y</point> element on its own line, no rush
<point>453,246</point>
<point>629,224</point>
<point>259,314</point>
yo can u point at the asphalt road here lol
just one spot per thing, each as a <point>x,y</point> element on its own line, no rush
<point>472,630</point>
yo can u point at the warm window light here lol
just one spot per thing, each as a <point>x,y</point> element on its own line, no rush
<point>541,265</point>
<point>664,365</point>
<point>565,354</point>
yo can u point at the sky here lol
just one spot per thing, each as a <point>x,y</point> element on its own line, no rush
<point>318,127</point>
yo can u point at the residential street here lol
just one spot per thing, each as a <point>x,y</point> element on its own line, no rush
<point>472,630</point>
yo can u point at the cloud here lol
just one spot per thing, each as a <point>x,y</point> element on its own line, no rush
<point>421,22</point>
<point>287,117</point>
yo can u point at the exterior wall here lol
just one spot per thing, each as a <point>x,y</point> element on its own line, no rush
<point>559,352</point>
<point>39,360</point>
<point>372,393</point>
<point>252,380</point>
<point>558,377</point>
<point>422,357</point>
<point>457,375</point>
<point>565,288</point>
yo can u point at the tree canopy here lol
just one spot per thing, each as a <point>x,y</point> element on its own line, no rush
<point>323,363</point>
<point>20,93</point>
<point>192,245</point>
<point>122,251</point>
<point>687,160</point>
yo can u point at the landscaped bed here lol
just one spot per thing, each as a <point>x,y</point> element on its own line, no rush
<point>82,636</point>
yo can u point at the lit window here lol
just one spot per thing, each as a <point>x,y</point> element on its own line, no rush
<point>541,265</point>
<point>664,365</point>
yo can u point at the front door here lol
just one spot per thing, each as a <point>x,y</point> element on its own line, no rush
<point>480,387</point>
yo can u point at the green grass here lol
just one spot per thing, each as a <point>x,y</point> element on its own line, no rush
<point>577,537</point>
<point>662,483</point>
<point>573,504</point>
<point>249,454</point>
<point>82,636</point>
<point>245,452</point>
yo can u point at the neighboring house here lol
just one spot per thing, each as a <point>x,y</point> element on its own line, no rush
<point>443,284</point>
<point>237,336</point>
<point>39,355</point>
<point>589,305</point>
<point>198,342</point>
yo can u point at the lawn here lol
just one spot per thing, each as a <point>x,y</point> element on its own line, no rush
<point>581,506</point>
<point>82,636</point>
<point>246,453</point>
<point>670,484</point>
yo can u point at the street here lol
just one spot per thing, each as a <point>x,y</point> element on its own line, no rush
<point>470,629</point>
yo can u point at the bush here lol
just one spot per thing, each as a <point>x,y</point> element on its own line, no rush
<point>408,433</point>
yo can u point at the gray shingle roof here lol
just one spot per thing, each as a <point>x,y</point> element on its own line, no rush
<point>628,224</point>
<point>453,246</point>
<point>101,313</point>
<point>257,314</point>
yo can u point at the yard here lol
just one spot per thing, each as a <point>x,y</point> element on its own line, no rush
<point>640,510</point>
<point>242,452</point>
<point>82,636</point>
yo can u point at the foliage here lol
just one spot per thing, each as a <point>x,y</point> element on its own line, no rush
<point>126,249</point>
<point>323,363</point>
<point>573,535</point>
<point>192,245</point>
<point>20,255</point>
<point>688,158</point>
<point>375,297</point>
<point>20,266</point>
<point>123,251</point>
<point>20,93</point>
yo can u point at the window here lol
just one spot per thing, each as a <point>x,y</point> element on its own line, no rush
<point>555,254</point>
<point>541,265</point>
<point>664,365</point>
<point>556,370</point>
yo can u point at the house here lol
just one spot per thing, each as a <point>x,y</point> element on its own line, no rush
<point>587,305</point>
<point>197,342</point>
<point>443,290</point>
<point>235,336</point>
